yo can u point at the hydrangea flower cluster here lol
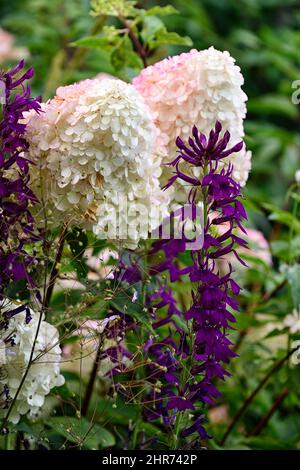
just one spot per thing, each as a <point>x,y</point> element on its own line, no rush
<point>185,364</point>
<point>17,337</point>
<point>198,87</point>
<point>93,148</point>
<point>16,198</point>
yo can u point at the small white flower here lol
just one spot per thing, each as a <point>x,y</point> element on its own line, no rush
<point>292,321</point>
<point>135,296</point>
<point>297,176</point>
<point>44,373</point>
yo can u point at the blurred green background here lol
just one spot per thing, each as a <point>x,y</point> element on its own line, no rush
<point>264,38</point>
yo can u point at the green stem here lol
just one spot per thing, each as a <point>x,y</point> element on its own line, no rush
<point>92,380</point>
<point>185,373</point>
<point>55,270</point>
<point>251,397</point>
<point>140,371</point>
<point>8,441</point>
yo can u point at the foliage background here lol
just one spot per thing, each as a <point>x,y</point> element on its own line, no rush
<point>264,37</point>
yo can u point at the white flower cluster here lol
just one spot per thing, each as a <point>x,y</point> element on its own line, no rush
<point>16,343</point>
<point>93,149</point>
<point>196,88</point>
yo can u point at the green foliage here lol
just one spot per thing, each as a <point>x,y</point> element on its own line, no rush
<point>118,8</point>
<point>77,39</point>
<point>143,31</point>
<point>81,432</point>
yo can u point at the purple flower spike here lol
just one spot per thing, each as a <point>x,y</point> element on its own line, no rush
<point>187,350</point>
<point>210,316</point>
<point>16,222</point>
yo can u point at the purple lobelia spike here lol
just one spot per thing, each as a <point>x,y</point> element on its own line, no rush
<point>188,361</point>
<point>16,221</point>
<point>188,347</point>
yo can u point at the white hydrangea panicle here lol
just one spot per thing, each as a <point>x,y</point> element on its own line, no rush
<point>93,146</point>
<point>196,88</point>
<point>16,342</point>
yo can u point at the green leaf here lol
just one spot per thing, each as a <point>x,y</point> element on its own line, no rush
<point>118,8</point>
<point>162,11</point>
<point>285,217</point>
<point>32,429</point>
<point>91,42</point>
<point>124,57</point>
<point>266,442</point>
<point>165,37</point>
<point>122,302</point>
<point>154,34</point>
<point>292,274</point>
<point>82,432</point>
<point>181,322</point>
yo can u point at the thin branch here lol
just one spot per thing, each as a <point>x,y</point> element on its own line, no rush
<point>251,397</point>
<point>266,418</point>
<point>139,48</point>
<point>92,380</point>
<point>55,271</point>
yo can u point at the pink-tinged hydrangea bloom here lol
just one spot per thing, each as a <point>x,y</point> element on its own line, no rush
<point>93,147</point>
<point>198,87</point>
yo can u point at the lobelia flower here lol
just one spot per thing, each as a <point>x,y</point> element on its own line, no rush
<point>17,336</point>
<point>190,359</point>
<point>196,88</point>
<point>16,198</point>
<point>93,148</point>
